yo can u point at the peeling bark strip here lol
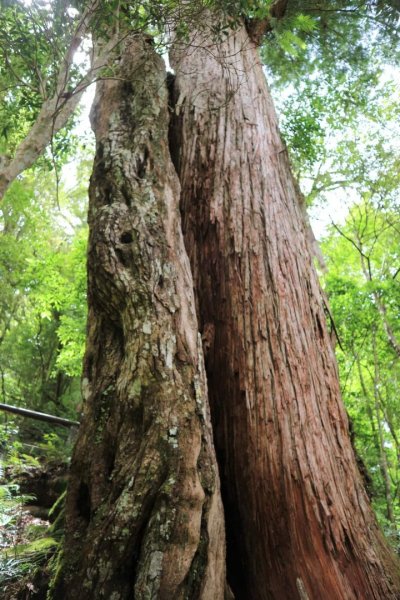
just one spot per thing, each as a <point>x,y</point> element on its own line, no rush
<point>143,517</point>
<point>299,524</point>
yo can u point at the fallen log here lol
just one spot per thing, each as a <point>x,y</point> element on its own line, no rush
<point>33,414</point>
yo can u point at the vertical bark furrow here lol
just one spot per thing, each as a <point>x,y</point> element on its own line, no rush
<point>143,516</point>
<point>298,520</point>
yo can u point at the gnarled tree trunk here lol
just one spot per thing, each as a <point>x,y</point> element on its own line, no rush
<point>143,514</point>
<point>299,524</point>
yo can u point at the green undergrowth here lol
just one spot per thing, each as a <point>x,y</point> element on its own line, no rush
<point>28,539</point>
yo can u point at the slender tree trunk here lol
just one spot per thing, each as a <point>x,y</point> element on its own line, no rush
<point>299,524</point>
<point>143,514</point>
<point>366,269</point>
<point>382,452</point>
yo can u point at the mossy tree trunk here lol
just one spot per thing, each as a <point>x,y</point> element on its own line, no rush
<point>143,512</point>
<point>299,523</point>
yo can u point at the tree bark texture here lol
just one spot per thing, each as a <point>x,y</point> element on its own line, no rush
<point>299,523</point>
<point>143,514</point>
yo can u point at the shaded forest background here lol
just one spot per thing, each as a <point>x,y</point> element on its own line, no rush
<point>334,74</point>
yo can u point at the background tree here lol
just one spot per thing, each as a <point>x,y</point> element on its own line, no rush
<point>43,297</point>
<point>361,282</point>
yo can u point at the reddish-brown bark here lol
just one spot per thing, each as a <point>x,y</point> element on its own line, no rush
<point>143,512</point>
<point>299,524</point>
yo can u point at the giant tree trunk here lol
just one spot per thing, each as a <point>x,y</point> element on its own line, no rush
<point>299,524</point>
<point>143,514</point>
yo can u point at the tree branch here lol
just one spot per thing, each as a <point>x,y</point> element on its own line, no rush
<point>56,110</point>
